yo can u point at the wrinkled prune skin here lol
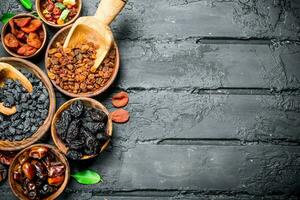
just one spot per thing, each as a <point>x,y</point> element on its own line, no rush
<point>93,126</point>
<point>63,124</point>
<point>73,130</point>
<point>74,155</point>
<point>91,143</point>
<point>102,137</point>
<point>77,144</point>
<point>76,109</point>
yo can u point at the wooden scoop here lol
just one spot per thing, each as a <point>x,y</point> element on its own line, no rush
<point>8,71</point>
<point>96,29</point>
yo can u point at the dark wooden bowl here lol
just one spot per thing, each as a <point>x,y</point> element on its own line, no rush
<point>16,188</point>
<point>19,64</point>
<point>61,36</point>
<point>88,101</point>
<point>5,30</point>
<point>40,13</point>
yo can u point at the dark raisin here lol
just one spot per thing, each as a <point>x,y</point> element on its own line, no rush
<point>74,155</point>
<point>76,109</point>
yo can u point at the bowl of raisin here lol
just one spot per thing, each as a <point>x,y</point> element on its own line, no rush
<point>39,171</point>
<point>81,128</point>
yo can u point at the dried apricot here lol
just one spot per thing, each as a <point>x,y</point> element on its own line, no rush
<point>23,21</point>
<point>120,116</point>
<point>33,26</point>
<point>11,41</point>
<point>26,50</point>
<point>34,40</point>
<point>120,99</point>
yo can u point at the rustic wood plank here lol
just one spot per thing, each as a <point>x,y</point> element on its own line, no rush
<point>252,170</point>
<point>187,64</point>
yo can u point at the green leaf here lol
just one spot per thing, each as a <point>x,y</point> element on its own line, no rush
<point>6,17</point>
<point>60,5</point>
<point>27,4</point>
<point>87,177</point>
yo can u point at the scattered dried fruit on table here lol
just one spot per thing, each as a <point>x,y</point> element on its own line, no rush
<point>70,69</point>
<point>24,36</point>
<point>82,129</point>
<point>120,116</point>
<point>41,174</point>
<point>120,99</point>
<point>59,12</point>
<point>32,108</point>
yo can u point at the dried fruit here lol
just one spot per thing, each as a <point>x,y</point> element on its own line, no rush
<point>84,124</point>
<point>32,27</point>
<point>28,170</point>
<point>11,41</point>
<point>34,40</point>
<point>3,172</point>
<point>120,99</point>
<point>22,21</point>
<point>120,116</point>
<point>26,50</point>
<point>58,180</point>
<point>71,68</point>
<point>38,152</point>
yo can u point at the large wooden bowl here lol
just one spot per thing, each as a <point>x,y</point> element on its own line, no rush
<point>23,64</point>
<point>5,29</point>
<point>87,101</point>
<point>16,188</point>
<point>61,36</point>
<point>40,13</point>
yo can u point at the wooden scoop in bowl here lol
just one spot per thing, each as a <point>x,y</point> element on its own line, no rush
<point>8,71</point>
<point>96,29</point>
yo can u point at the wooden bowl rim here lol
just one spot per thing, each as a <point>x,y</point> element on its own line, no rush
<point>60,144</point>
<point>40,14</point>
<point>90,94</point>
<point>15,54</point>
<point>17,145</point>
<point>58,154</point>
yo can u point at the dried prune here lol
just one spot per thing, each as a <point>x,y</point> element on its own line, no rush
<point>63,124</point>
<point>46,190</point>
<point>98,115</point>
<point>77,144</point>
<point>76,108</point>
<point>74,155</point>
<point>120,99</point>
<point>73,130</point>
<point>94,126</point>
<point>41,170</point>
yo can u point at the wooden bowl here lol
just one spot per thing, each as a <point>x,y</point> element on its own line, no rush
<point>61,36</point>
<point>16,188</point>
<point>5,29</point>
<point>87,101</point>
<point>23,64</point>
<point>40,13</point>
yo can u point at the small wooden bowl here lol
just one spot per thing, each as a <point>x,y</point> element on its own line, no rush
<point>41,15</point>
<point>87,101</point>
<point>61,36</point>
<point>16,188</point>
<point>5,30</point>
<point>19,63</point>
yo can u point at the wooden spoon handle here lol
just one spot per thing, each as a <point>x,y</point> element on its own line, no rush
<point>109,9</point>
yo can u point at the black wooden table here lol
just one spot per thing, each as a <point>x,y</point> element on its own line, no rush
<point>214,99</point>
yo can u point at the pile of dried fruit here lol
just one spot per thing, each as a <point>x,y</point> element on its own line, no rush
<point>32,108</point>
<point>59,11</point>
<point>25,36</point>
<point>39,172</point>
<point>70,69</point>
<point>82,129</point>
